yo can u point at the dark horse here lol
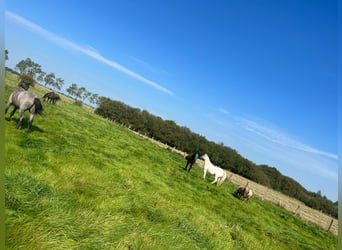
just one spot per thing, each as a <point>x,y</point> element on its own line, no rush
<point>243,192</point>
<point>191,159</point>
<point>52,97</point>
<point>24,100</point>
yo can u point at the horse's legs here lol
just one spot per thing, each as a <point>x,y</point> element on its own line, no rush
<point>21,114</point>
<point>216,178</point>
<point>191,163</point>
<point>218,181</point>
<point>8,103</point>
<point>12,113</point>
<point>187,163</point>
<point>30,122</point>
<point>204,174</point>
<point>7,106</point>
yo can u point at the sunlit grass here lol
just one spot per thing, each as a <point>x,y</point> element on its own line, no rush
<point>78,181</point>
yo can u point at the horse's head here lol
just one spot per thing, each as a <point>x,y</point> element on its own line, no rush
<point>204,157</point>
<point>24,85</point>
<point>249,194</point>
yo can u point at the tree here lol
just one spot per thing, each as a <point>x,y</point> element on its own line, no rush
<point>86,95</point>
<point>41,76</point>
<point>80,93</point>
<point>72,89</point>
<point>29,67</point>
<point>6,54</point>
<point>49,79</point>
<point>94,99</point>
<point>59,83</point>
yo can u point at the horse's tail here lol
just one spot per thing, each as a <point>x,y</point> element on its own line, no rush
<point>38,107</point>
<point>222,178</point>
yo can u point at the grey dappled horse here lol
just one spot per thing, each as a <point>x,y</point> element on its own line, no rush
<point>24,100</point>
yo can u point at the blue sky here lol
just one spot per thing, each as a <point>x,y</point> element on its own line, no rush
<point>259,76</point>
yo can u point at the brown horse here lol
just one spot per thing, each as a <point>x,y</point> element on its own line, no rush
<point>191,159</point>
<point>244,192</point>
<point>51,97</point>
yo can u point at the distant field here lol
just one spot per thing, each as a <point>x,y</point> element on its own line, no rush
<point>78,181</point>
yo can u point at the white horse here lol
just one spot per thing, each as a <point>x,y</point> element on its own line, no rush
<point>220,174</point>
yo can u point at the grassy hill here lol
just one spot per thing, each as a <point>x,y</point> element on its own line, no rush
<point>78,181</point>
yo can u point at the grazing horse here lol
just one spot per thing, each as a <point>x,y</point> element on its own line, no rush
<point>219,173</point>
<point>24,100</point>
<point>52,97</point>
<point>191,159</point>
<point>244,192</point>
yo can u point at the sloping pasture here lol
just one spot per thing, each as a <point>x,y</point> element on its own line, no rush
<point>78,181</point>
<point>297,207</point>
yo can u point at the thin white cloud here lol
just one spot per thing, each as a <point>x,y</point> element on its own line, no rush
<point>265,144</point>
<point>281,138</point>
<point>144,64</point>
<point>148,66</point>
<point>62,42</point>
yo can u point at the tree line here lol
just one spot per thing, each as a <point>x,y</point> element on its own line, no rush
<point>184,139</point>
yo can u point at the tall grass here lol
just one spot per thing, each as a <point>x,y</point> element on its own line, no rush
<point>78,181</point>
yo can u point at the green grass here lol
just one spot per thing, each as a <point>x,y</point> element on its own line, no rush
<point>78,181</point>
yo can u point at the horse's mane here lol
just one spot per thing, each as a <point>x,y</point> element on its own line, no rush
<point>245,189</point>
